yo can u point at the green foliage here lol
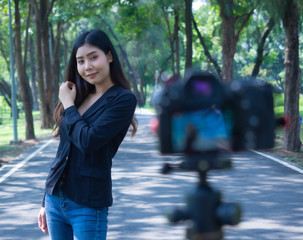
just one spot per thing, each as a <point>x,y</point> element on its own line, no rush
<point>139,25</point>
<point>278,99</point>
<point>3,105</point>
<point>209,24</point>
<point>142,30</point>
<point>4,40</point>
<point>293,159</point>
<point>279,104</point>
<point>135,19</point>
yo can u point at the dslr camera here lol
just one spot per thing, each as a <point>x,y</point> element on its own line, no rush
<point>200,115</point>
<point>203,120</point>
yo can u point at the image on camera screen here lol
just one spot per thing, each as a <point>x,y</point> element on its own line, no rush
<point>200,131</point>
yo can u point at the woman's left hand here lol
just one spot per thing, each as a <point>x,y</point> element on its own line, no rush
<point>42,220</point>
<point>67,94</point>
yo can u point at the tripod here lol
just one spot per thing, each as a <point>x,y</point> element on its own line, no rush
<point>204,205</point>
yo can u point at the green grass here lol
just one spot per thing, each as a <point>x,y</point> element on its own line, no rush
<point>279,104</point>
<point>7,132</point>
<point>293,159</point>
<point>279,111</point>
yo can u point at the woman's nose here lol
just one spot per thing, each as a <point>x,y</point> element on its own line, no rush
<point>87,65</point>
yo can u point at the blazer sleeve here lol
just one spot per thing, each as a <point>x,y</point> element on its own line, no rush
<point>92,136</point>
<point>43,200</point>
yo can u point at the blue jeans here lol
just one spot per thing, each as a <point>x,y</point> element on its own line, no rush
<point>67,220</point>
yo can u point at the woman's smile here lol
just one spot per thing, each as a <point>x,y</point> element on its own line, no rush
<point>91,75</point>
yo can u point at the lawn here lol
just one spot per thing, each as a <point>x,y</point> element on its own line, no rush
<point>7,132</point>
<point>279,111</point>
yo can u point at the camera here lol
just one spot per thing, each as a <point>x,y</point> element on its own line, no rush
<point>200,114</point>
<point>203,120</point>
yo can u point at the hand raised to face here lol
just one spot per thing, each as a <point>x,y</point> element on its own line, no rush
<point>67,94</point>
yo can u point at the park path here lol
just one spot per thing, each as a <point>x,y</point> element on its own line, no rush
<point>271,195</point>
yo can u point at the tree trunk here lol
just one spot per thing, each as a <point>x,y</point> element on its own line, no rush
<point>228,39</point>
<point>33,75</point>
<point>42,98</point>
<point>43,62</point>
<point>176,41</point>
<point>56,62</point>
<point>22,80</point>
<point>47,66</point>
<point>259,59</point>
<point>292,82</point>
<point>188,31</point>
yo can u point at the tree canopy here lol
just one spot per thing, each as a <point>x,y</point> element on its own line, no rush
<point>232,38</point>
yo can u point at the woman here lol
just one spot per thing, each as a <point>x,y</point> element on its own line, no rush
<point>95,111</point>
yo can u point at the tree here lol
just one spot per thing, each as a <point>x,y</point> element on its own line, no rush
<point>56,61</point>
<point>173,36</point>
<point>33,74</point>
<point>152,36</point>
<point>5,88</point>
<point>288,12</point>
<point>22,78</point>
<point>43,56</point>
<point>171,47</point>
<point>138,27</point>
<point>206,50</point>
<point>259,58</point>
<point>230,36</point>
<point>292,76</point>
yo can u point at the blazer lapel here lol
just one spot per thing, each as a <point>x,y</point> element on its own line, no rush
<point>102,101</point>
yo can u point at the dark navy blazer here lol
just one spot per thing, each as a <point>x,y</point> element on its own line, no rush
<point>87,145</point>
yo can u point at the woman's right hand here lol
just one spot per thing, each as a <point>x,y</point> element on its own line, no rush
<point>42,220</point>
<point>67,94</point>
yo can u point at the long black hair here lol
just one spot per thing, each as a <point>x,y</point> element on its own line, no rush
<point>99,39</point>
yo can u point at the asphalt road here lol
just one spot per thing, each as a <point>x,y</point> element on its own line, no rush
<point>270,194</point>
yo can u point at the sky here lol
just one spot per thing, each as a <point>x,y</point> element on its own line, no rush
<point>197,4</point>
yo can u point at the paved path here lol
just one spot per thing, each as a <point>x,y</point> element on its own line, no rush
<point>270,194</point>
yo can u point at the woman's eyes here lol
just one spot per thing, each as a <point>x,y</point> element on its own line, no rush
<point>91,58</point>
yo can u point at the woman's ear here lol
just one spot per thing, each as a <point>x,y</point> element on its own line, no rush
<point>109,56</point>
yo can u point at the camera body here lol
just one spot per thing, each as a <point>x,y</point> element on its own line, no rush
<point>201,115</point>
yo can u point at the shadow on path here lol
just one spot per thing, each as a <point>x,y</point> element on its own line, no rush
<point>21,195</point>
